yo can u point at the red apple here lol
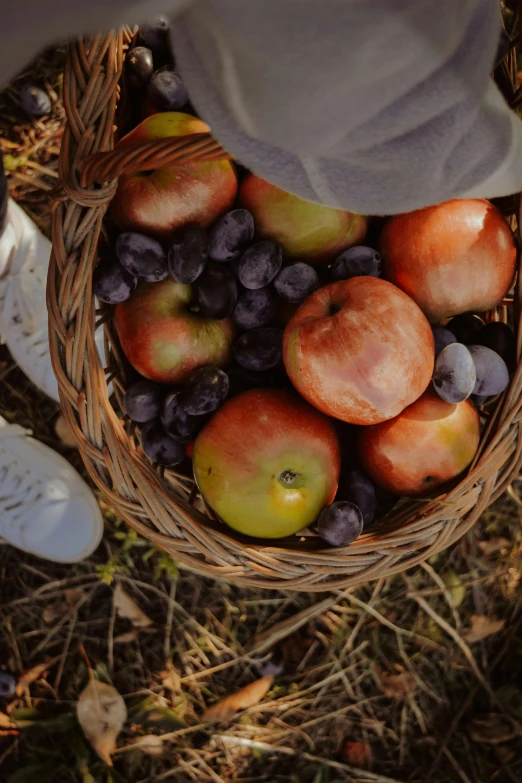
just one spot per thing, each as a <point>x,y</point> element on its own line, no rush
<point>359,350</point>
<point>429,443</point>
<point>307,231</point>
<point>267,463</point>
<point>159,201</point>
<point>452,258</point>
<point>164,339</point>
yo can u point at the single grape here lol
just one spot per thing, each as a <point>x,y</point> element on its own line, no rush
<point>177,423</point>
<point>340,523</point>
<point>205,390</point>
<point>216,292</point>
<point>143,400</point>
<point>295,282</point>
<point>442,337</point>
<point>142,256</point>
<point>112,283</point>
<point>160,447</point>
<point>260,264</point>
<point>188,254</point>
<point>166,90</point>
<point>231,235</point>
<point>259,349</point>
<point>465,327</point>
<point>139,66</point>
<point>504,44</point>
<point>355,262</point>
<point>491,369</point>
<point>500,338</point>
<point>357,488</point>
<point>7,685</point>
<point>454,374</point>
<point>35,102</point>
<point>155,36</point>
<point>255,308</point>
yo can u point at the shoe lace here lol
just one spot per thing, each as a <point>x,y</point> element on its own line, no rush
<point>21,490</point>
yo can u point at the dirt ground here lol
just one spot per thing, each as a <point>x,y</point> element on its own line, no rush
<point>409,679</point>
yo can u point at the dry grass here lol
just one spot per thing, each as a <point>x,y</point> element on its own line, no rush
<point>386,666</point>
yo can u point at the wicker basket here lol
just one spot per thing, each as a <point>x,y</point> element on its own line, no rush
<point>160,504</point>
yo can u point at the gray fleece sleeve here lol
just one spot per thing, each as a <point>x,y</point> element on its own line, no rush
<point>378,106</point>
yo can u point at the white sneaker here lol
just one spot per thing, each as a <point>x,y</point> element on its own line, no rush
<point>25,254</point>
<point>46,508</point>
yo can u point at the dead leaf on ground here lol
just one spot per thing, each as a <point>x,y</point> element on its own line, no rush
<point>355,754</point>
<point>493,728</point>
<point>73,596</point>
<point>125,638</point>
<point>101,713</point>
<point>151,744</point>
<point>247,697</point>
<point>33,674</point>
<point>493,545</point>
<point>64,433</point>
<point>54,612</point>
<point>127,608</point>
<point>482,626</point>
<point>397,686</point>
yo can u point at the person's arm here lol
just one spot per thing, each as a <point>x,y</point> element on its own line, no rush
<point>378,107</point>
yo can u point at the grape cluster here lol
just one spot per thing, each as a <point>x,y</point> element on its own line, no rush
<point>472,359</point>
<point>171,418</point>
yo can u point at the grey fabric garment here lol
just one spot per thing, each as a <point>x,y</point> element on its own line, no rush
<point>377,106</point>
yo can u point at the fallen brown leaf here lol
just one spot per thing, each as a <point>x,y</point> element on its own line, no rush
<point>151,744</point>
<point>101,713</point>
<point>125,638</point>
<point>127,608</point>
<point>482,626</point>
<point>73,596</point>
<point>355,753</point>
<point>397,686</point>
<point>33,674</point>
<point>64,433</point>
<point>247,697</point>
<point>54,612</point>
<point>493,545</point>
<point>493,728</point>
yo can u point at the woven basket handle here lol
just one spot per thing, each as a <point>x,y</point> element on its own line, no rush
<point>157,154</point>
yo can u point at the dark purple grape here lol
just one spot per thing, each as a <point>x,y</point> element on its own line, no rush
<point>160,447</point>
<point>177,423</point>
<point>112,283</point>
<point>35,102</point>
<point>355,262</point>
<point>166,90</point>
<point>491,370</point>
<point>205,390</point>
<point>142,256</point>
<point>357,488</point>
<point>504,44</point>
<point>7,685</point>
<point>465,327</point>
<point>143,400</point>
<point>442,337</point>
<point>340,523</point>
<point>454,373</point>
<point>242,379</point>
<point>295,282</point>
<point>255,308</point>
<point>155,36</point>
<point>259,349</point>
<point>188,254</point>
<point>231,235</point>
<point>500,338</point>
<point>260,264</point>
<point>216,292</point>
<point>139,65</point>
